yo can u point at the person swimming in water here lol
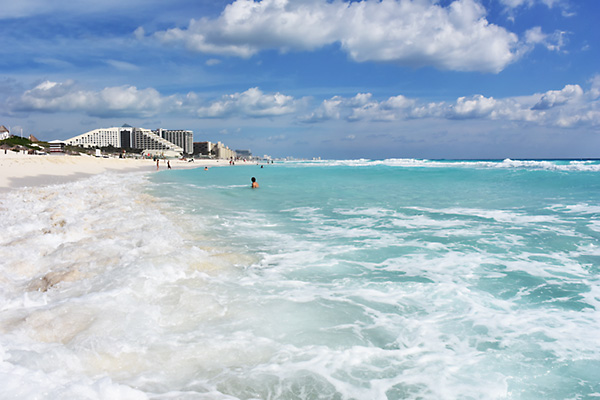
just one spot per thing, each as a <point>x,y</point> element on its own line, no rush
<point>254,183</point>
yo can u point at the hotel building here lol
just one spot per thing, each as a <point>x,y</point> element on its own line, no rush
<point>183,139</point>
<point>217,150</point>
<point>180,141</point>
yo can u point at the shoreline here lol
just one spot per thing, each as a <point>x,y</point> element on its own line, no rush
<point>18,170</point>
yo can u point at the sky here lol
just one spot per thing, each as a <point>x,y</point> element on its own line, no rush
<point>334,79</point>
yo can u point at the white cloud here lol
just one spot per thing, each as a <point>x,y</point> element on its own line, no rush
<point>457,37</point>
<point>553,42</point>
<point>553,98</point>
<point>567,107</point>
<point>477,106</point>
<point>360,107</point>
<point>591,117</point>
<point>130,101</point>
<point>407,32</point>
<point>513,4</point>
<point>391,109</point>
<point>535,35</point>
<point>67,96</point>
<point>328,110</point>
<point>251,103</point>
<point>246,27</point>
<point>594,92</point>
<point>511,7</point>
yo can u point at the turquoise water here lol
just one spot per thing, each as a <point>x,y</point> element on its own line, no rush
<point>408,279</point>
<point>359,279</point>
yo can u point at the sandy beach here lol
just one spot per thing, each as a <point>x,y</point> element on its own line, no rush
<point>23,170</point>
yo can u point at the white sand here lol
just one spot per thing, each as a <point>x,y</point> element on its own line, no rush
<point>23,170</point>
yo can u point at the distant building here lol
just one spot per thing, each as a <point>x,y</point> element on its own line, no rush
<point>217,150</point>
<point>4,133</point>
<point>56,147</point>
<point>244,153</point>
<point>203,149</point>
<point>134,138</point>
<point>182,138</point>
<point>223,151</point>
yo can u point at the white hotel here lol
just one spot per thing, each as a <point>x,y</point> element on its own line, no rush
<point>180,141</point>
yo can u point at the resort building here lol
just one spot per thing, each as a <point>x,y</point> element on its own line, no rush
<point>134,138</point>
<point>217,150</point>
<point>203,149</point>
<point>224,151</point>
<point>182,138</point>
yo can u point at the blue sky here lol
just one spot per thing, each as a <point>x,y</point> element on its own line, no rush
<point>312,78</point>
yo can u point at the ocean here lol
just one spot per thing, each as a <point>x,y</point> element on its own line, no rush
<point>355,279</point>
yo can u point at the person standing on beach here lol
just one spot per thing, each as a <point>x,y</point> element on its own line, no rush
<point>254,183</point>
<point>157,163</point>
<point>169,164</point>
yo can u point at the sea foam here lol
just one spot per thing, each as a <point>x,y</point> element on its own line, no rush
<point>330,281</point>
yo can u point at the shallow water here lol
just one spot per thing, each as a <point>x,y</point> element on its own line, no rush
<point>395,279</point>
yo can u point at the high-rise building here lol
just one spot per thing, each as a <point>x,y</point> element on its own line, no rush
<point>223,151</point>
<point>136,138</point>
<point>180,137</point>
<point>203,149</point>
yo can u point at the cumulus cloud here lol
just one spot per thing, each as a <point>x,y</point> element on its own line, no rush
<point>360,107</point>
<point>477,106</point>
<point>393,108</point>
<point>567,107</point>
<point>329,109</point>
<point>68,96</point>
<point>406,32</point>
<point>553,98</point>
<point>251,103</point>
